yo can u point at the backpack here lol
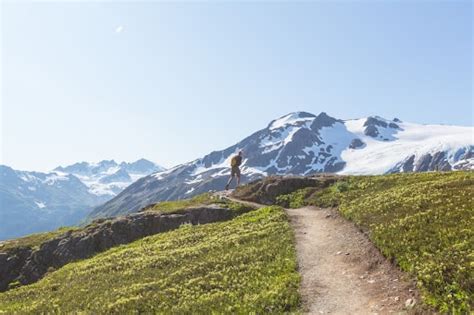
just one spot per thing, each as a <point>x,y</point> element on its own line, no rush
<point>235,161</point>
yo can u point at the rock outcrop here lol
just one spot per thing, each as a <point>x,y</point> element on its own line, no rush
<point>266,190</point>
<point>356,143</point>
<point>438,161</point>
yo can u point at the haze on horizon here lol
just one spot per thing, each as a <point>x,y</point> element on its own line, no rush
<point>171,82</point>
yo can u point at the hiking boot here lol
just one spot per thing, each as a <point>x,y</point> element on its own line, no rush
<point>227,187</point>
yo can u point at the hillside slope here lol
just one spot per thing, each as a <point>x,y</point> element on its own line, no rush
<point>420,222</point>
<point>240,266</point>
<point>423,222</point>
<point>303,144</point>
<point>26,260</point>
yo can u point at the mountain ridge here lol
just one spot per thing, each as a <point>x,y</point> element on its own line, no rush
<point>107,177</point>
<point>34,202</point>
<point>301,143</point>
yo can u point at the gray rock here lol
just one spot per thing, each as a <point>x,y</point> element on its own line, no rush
<point>408,165</point>
<point>323,120</point>
<point>436,162</point>
<point>410,303</point>
<point>371,131</point>
<point>373,121</point>
<point>265,191</point>
<point>372,125</point>
<point>423,164</point>
<point>440,162</point>
<point>356,143</point>
<point>10,265</point>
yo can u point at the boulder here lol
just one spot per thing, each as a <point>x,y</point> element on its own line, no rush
<point>356,143</point>
<point>265,191</point>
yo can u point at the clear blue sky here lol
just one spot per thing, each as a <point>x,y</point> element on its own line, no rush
<point>173,81</point>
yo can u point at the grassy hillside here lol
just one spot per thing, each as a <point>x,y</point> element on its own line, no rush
<point>244,265</point>
<point>35,240</point>
<point>422,221</point>
<point>197,201</point>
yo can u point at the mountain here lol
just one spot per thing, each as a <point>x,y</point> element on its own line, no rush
<point>302,143</point>
<point>34,202</point>
<point>107,177</point>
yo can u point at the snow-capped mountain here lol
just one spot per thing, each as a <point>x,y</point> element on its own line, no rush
<point>108,178</point>
<point>302,143</point>
<point>33,202</point>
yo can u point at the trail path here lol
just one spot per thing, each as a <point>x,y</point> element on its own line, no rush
<point>342,271</point>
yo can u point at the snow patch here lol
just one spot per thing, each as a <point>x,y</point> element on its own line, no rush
<point>378,157</point>
<point>52,178</point>
<point>161,175</point>
<point>290,119</point>
<point>28,177</point>
<point>40,205</point>
<point>274,142</point>
<point>195,180</point>
<point>189,191</point>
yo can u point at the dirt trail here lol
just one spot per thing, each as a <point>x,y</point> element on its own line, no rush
<point>342,271</point>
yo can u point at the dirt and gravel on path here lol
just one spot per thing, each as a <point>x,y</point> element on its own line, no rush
<point>342,271</point>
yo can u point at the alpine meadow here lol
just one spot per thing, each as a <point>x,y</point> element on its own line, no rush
<point>236,157</point>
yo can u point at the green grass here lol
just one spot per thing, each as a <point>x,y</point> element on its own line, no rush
<point>296,199</point>
<point>171,206</point>
<point>33,240</point>
<point>424,222</point>
<point>197,201</point>
<point>246,265</point>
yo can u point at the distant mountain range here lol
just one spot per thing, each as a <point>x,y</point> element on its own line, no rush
<point>33,202</point>
<point>108,178</point>
<point>302,143</point>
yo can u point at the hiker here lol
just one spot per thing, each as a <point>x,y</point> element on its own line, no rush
<point>235,170</point>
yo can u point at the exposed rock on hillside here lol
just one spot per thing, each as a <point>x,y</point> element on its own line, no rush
<point>356,143</point>
<point>266,190</point>
<point>27,265</point>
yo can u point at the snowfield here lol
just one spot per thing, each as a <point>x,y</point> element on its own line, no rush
<point>378,157</point>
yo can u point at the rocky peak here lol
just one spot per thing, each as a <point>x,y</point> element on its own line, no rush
<point>120,176</point>
<point>295,118</point>
<point>374,125</point>
<point>141,166</point>
<point>323,120</point>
